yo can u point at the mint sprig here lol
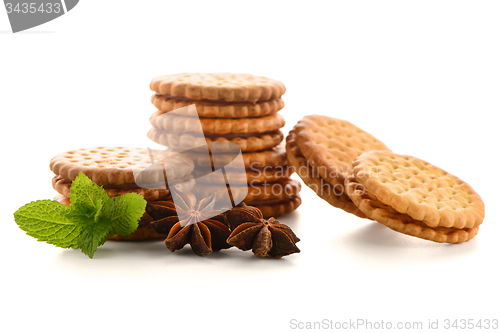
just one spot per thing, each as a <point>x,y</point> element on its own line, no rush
<point>94,235</point>
<point>85,224</point>
<point>124,212</point>
<point>48,221</point>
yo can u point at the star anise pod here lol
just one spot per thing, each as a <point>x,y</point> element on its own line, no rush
<point>264,237</point>
<point>158,210</point>
<point>196,223</point>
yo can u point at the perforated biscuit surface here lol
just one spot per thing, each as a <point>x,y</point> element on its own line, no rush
<point>403,223</point>
<point>117,165</point>
<point>421,190</point>
<point>330,145</point>
<point>218,87</point>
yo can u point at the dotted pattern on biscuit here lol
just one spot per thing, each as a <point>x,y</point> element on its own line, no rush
<point>419,189</point>
<point>116,165</point>
<point>219,87</point>
<point>331,145</point>
<point>335,196</point>
<point>403,223</point>
<point>214,110</point>
<point>186,141</point>
<point>215,126</point>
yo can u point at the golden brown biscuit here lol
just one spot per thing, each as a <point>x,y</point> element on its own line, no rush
<point>119,165</point>
<point>403,223</point>
<point>334,195</point>
<point>63,186</point>
<point>330,145</point>
<point>277,208</point>
<point>178,124</point>
<point>414,197</point>
<point>217,110</point>
<point>184,141</point>
<point>419,189</point>
<point>218,87</point>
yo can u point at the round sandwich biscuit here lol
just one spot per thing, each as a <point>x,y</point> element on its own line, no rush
<point>120,165</point>
<point>247,142</point>
<point>210,109</point>
<point>334,195</point>
<point>215,126</point>
<point>415,197</point>
<point>225,87</point>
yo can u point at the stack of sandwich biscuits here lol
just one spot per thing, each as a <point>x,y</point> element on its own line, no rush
<point>206,115</point>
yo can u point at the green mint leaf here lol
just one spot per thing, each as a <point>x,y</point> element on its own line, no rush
<point>124,212</point>
<point>47,221</point>
<point>85,224</point>
<point>94,235</point>
<point>86,193</point>
<point>83,215</point>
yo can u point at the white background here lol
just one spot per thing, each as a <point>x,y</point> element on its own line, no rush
<point>422,76</point>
